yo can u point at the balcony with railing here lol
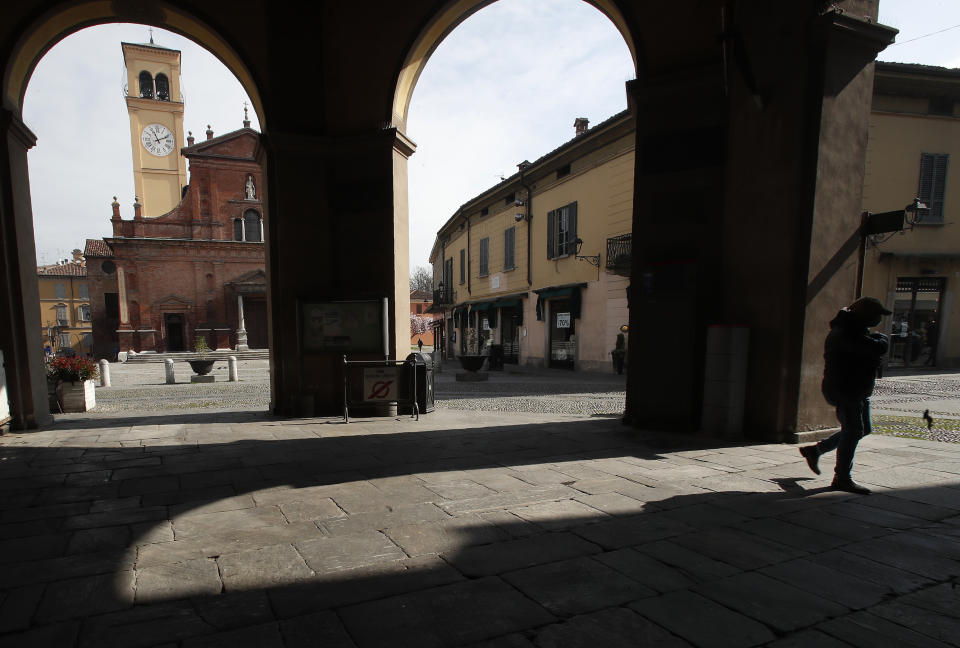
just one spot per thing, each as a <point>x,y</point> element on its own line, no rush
<point>619,249</point>
<point>444,296</point>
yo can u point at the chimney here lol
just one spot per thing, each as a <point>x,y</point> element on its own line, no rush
<point>116,209</point>
<point>77,256</point>
<point>523,166</point>
<point>209,132</point>
<point>190,139</point>
<point>580,125</point>
<point>136,208</point>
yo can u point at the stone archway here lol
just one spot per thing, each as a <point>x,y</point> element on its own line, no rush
<point>20,337</point>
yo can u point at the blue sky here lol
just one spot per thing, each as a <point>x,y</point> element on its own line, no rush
<point>505,86</point>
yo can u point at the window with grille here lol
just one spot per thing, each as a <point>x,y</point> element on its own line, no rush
<point>933,178</point>
<point>146,85</point>
<point>562,231</point>
<point>163,87</point>
<point>509,241</point>
<point>484,256</point>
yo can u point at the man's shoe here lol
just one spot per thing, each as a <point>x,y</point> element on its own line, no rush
<point>812,456</point>
<point>850,486</point>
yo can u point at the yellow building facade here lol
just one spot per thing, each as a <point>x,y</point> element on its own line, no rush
<point>534,268</point>
<point>65,306</point>
<point>912,152</point>
<point>155,107</point>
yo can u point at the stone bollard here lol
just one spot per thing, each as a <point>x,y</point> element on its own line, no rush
<point>168,369</point>
<point>104,373</point>
<point>232,369</point>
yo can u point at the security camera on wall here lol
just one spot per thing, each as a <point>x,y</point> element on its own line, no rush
<point>518,217</point>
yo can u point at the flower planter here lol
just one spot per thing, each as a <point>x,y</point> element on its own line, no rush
<point>201,367</point>
<point>472,362</point>
<point>77,396</point>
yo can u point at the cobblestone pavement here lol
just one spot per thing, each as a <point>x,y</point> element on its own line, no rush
<point>467,528</point>
<point>899,401</point>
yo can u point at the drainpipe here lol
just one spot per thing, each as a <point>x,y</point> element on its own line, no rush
<point>529,219</point>
<point>467,218</point>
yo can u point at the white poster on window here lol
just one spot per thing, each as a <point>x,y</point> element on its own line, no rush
<point>485,324</point>
<point>563,320</point>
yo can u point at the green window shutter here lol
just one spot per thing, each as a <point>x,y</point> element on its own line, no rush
<point>939,187</point>
<point>551,227</point>
<point>484,256</point>
<point>933,176</point>
<point>509,238</point>
<point>572,228</point>
<point>463,266</point>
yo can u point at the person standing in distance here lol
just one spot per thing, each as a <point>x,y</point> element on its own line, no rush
<point>852,356</point>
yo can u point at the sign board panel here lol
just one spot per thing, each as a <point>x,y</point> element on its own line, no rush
<point>485,324</point>
<point>381,383</point>
<point>563,320</point>
<point>342,327</point>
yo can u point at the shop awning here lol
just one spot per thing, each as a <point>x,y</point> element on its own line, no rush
<point>507,303</point>
<point>482,306</point>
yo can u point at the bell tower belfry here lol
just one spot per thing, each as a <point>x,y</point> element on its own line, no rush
<point>155,106</point>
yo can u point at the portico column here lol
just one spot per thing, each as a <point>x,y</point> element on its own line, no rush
<point>242,330</point>
<point>21,337</point>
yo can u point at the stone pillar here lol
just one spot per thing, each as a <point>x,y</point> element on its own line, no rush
<point>168,371</point>
<point>769,158</point>
<point>104,373</point>
<point>232,369</point>
<point>355,187</point>
<point>20,326</point>
<point>242,329</point>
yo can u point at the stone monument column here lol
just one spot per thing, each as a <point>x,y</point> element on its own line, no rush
<point>242,330</point>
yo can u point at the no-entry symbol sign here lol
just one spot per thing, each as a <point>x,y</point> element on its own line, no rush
<point>380,383</point>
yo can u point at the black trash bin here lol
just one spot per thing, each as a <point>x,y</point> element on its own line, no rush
<point>424,369</point>
<point>496,357</point>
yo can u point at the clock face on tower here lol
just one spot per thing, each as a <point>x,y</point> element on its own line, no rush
<point>158,140</point>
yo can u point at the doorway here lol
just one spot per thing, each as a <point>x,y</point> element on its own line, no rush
<point>173,325</point>
<point>563,340</point>
<point>916,306</point>
<point>255,319</point>
<point>510,335</point>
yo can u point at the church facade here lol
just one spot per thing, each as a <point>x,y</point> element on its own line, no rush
<point>190,261</point>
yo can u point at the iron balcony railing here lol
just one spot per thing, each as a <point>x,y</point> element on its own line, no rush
<point>619,249</point>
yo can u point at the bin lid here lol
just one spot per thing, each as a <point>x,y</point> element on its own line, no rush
<point>419,358</point>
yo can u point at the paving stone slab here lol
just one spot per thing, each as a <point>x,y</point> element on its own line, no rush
<point>53,569</point>
<point>514,640</point>
<point>646,570</point>
<point>529,495</point>
<point>842,527</point>
<point>199,577</point>
<point>612,627</point>
<point>61,634</point>
<point>808,639</point>
<point>266,635</point>
<point>115,518</point>
<point>213,505</point>
<point>312,630</point>
<point>151,532</point>
<point>101,539</point>
<point>267,567</point>
<point>329,554</point>
<point>792,535</point>
<point>613,504</point>
<point>360,522</point>
<point>230,610</point>
<point>701,620</point>
<point>444,616</point>
<point>225,543</point>
<point>774,603</point>
<point>18,606</point>
<point>866,630</point>
<point>874,515</point>
<point>907,507</point>
<point>48,545</point>
<point>846,589</point>
<point>445,535</point>
<point>576,586</point>
<point>705,515</point>
<point>509,523</point>
<point>195,526</point>
<point>557,515</point>
<point>509,555</point>
<point>367,583</point>
<point>144,625</point>
<point>909,553</point>
<point>692,564</point>
<point>932,623</point>
<point>459,490</point>
<point>88,596</point>
<point>896,581</point>
<point>739,548</point>
<point>635,530</point>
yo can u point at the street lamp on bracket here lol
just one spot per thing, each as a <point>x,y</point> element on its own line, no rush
<point>885,223</point>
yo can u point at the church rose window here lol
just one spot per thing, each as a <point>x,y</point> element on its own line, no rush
<point>146,85</point>
<point>163,88</point>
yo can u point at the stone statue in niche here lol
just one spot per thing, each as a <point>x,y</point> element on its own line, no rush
<point>251,190</point>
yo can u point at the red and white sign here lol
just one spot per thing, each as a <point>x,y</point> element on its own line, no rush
<point>381,383</point>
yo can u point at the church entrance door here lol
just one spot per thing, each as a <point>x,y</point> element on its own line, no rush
<point>255,316</point>
<point>173,323</point>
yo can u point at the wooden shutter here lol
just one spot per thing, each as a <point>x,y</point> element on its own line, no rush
<point>933,177</point>
<point>509,236</point>
<point>551,233</point>
<point>463,266</point>
<point>484,256</point>
<point>572,228</point>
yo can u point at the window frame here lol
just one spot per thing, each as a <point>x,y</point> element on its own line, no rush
<point>61,315</point>
<point>934,168</point>
<point>84,314</point>
<point>484,265</point>
<point>509,248</point>
<point>556,218</point>
<point>463,266</point>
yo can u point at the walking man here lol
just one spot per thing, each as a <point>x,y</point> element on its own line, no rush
<point>852,356</point>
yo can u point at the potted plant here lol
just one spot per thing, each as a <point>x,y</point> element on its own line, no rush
<point>74,382</point>
<point>471,360</point>
<point>202,365</point>
<point>619,353</point>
